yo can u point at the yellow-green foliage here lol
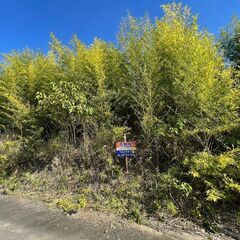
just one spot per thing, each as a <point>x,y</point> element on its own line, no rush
<point>177,76</point>
<point>72,205</point>
<point>166,85</point>
<point>9,150</point>
<point>68,206</point>
<point>32,179</point>
<point>82,201</point>
<point>220,175</point>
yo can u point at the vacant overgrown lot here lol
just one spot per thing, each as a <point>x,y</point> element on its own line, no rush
<point>167,85</point>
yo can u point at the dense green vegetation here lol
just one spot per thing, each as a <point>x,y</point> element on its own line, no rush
<point>170,86</point>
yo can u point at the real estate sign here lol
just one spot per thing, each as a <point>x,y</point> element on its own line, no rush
<point>125,149</point>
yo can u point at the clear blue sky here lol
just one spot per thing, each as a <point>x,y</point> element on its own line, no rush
<point>28,23</point>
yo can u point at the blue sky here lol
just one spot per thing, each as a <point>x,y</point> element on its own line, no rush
<point>28,23</point>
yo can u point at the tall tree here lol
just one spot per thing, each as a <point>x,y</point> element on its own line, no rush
<point>230,42</point>
<point>177,81</point>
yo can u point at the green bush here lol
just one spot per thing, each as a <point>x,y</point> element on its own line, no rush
<point>165,191</point>
<point>9,151</point>
<point>71,205</point>
<point>217,176</point>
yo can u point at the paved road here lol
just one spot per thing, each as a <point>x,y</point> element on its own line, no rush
<point>25,220</point>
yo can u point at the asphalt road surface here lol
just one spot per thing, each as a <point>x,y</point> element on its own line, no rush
<point>25,220</point>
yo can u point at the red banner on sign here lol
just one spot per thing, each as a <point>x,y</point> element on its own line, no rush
<point>126,144</point>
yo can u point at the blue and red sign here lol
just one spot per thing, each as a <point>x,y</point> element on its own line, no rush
<point>125,149</point>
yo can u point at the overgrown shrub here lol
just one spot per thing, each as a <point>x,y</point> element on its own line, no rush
<point>216,177</point>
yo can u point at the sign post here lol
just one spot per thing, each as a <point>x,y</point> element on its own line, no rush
<point>125,149</point>
<point>126,158</point>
